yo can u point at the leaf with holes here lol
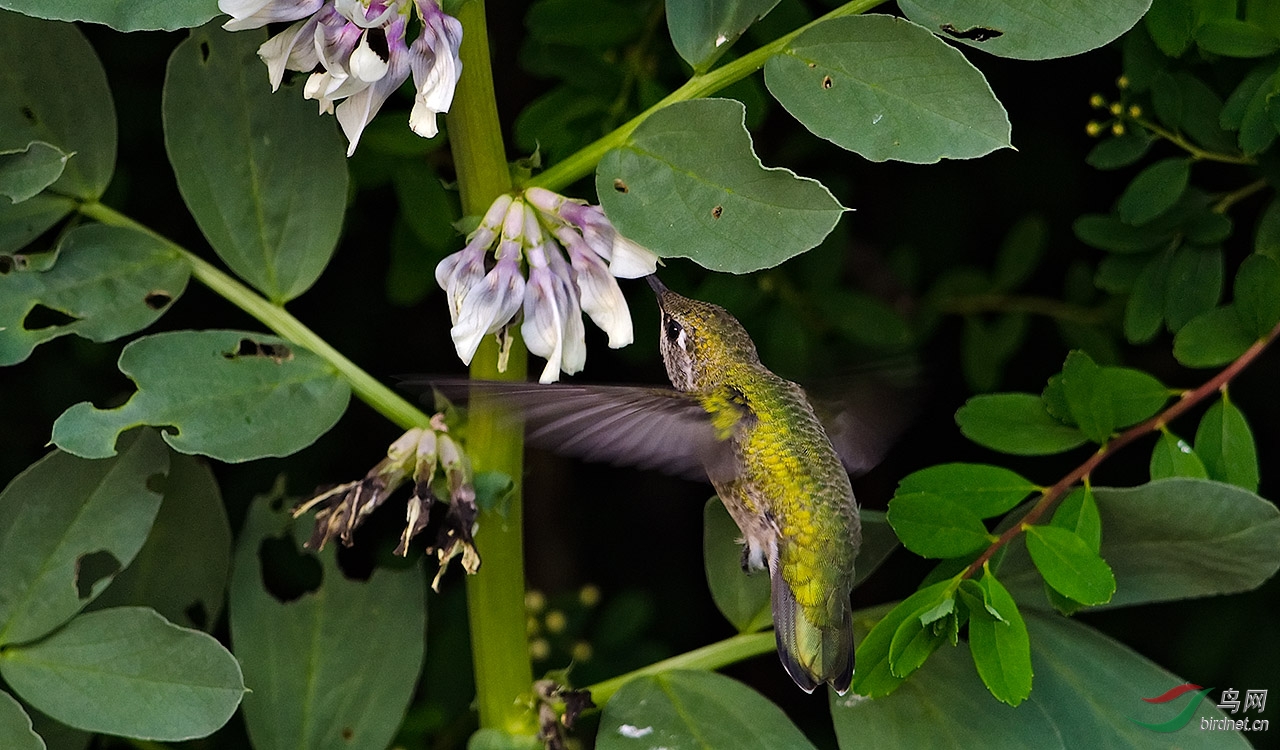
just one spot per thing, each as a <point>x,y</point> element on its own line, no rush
<point>1028,29</point>
<point>181,572</point>
<point>56,91</point>
<point>361,640</point>
<point>887,89</point>
<point>702,31</point>
<point>264,177</point>
<point>230,395</point>
<point>68,526</point>
<point>687,184</point>
<point>164,682</point>
<point>27,171</point>
<point>106,283</point>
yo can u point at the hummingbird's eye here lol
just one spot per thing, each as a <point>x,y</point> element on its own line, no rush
<point>673,330</point>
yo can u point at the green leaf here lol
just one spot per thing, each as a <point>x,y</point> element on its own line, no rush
<point>1213,338</point>
<point>874,678</point>
<point>67,527</point>
<point>1173,539</point>
<point>1201,114</point>
<point>988,345</point>
<point>1029,29</point>
<point>1257,294</point>
<point>121,15</point>
<point>1107,232</point>
<point>15,726</point>
<point>934,526</point>
<point>1173,457</point>
<point>1102,399</point>
<point>1120,151</point>
<point>335,667</point>
<point>1194,285</point>
<point>741,597</point>
<point>983,489</point>
<point>1232,115</point>
<point>262,175</point>
<point>688,184</point>
<point>55,91</point>
<point>181,571</point>
<point>1257,131</point>
<point>1233,38</point>
<point>887,89</point>
<point>1266,241</point>
<point>1154,191</point>
<point>1000,646</point>
<point>231,395</point>
<point>1020,252</point>
<point>694,709</point>
<point>702,32</point>
<point>1144,311</point>
<point>109,281</point>
<point>915,639</point>
<point>1078,513</point>
<point>24,222</point>
<point>1225,443</point>
<point>1171,24</point>
<point>1016,423</point>
<point>1069,565</point>
<point>27,171</point>
<point>165,682</point>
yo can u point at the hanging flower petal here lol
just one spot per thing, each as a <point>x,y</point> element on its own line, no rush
<point>292,49</point>
<point>358,110</point>
<point>436,67</point>
<point>598,290</point>
<point>488,307</point>
<point>250,14</point>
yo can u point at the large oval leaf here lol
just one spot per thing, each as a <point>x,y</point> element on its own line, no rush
<point>107,282</point>
<point>887,89</point>
<point>121,15</point>
<point>163,682</point>
<point>230,395</point>
<point>687,184</point>
<point>262,174</point>
<point>67,527</point>
<point>1028,29</point>
<point>334,668</point>
<point>702,710</point>
<point>53,89</point>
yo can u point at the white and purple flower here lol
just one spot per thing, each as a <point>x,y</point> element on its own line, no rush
<point>542,228</point>
<point>357,54</point>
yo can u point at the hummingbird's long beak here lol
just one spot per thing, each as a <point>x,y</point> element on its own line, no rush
<point>654,283</point>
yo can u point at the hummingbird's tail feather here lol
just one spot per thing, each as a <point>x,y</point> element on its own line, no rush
<point>810,653</point>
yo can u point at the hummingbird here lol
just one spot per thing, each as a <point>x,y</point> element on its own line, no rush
<point>782,474</point>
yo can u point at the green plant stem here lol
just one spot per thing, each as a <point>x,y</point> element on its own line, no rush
<point>723,653</point>
<point>1224,204</point>
<point>495,595</point>
<point>580,163</point>
<point>1154,424</point>
<point>1195,151</point>
<point>367,388</point>
<point>1014,303</point>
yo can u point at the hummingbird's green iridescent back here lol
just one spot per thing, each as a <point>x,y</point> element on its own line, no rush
<point>781,480</point>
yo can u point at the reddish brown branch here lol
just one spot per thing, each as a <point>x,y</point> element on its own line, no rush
<point>1064,485</point>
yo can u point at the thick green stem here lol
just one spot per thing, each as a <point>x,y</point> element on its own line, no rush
<point>367,388</point>
<point>495,595</point>
<point>580,164</point>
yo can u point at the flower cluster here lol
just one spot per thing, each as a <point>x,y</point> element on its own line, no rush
<point>356,53</point>
<point>541,229</point>
<point>415,455</point>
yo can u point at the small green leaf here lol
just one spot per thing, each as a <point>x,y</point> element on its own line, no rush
<point>1171,24</point>
<point>1212,339</point>
<point>1069,565</point>
<point>1234,38</point>
<point>934,526</point>
<point>887,89</point>
<point>108,281</point>
<point>1016,423</point>
<point>67,527</point>
<point>694,709</point>
<point>1257,131</point>
<point>1208,228</point>
<point>27,171</point>
<point>1232,116</point>
<point>1001,648</point>
<point>1154,191</point>
<point>1225,443</point>
<point>915,640</point>
<point>1194,284</point>
<point>165,682</point>
<point>1173,457</point>
<point>1102,399</point>
<point>874,678</point>
<point>15,726</point>
<point>1078,513</point>
<point>741,597</point>
<point>702,32</point>
<point>262,175</point>
<point>980,488</point>
<point>1120,151</point>
<point>1107,232</point>
<point>336,666</point>
<point>1267,240</point>
<point>688,184</point>
<point>1144,311</point>
<point>975,598</point>
<point>1020,252</point>
<point>1257,294</point>
<point>1029,29</point>
<point>230,395</point>
<point>988,345</point>
<point>55,91</point>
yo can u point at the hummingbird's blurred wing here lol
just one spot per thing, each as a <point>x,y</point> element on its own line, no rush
<point>865,414</point>
<point>648,428</point>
